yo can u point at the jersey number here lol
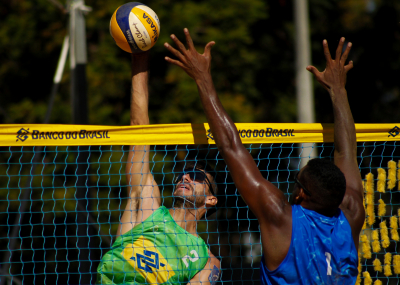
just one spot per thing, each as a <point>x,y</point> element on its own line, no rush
<point>192,259</point>
<point>328,261</point>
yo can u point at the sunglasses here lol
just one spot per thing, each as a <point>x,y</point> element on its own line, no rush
<point>296,180</point>
<point>196,175</point>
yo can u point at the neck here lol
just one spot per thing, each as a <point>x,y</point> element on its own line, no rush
<point>319,209</point>
<point>187,218</point>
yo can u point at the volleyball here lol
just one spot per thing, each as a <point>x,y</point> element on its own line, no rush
<point>135,27</point>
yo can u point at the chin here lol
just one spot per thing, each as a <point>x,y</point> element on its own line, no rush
<point>180,194</point>
<point>180,201</point>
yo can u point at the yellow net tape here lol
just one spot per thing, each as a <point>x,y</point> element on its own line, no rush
<point>171,134</point>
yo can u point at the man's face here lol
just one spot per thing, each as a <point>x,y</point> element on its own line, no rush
<point>193,185</point>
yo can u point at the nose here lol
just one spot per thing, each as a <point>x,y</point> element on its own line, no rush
<point>186,178</point>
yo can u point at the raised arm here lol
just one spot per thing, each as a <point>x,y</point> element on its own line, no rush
<point>333,79</point>
<point>143,193</point>
<point>264,199</point>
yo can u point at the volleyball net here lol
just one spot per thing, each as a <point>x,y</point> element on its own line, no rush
<point>63,191</point>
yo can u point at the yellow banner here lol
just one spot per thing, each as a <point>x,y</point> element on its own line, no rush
<point>173,134</point>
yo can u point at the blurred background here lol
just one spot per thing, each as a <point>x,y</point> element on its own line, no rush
<point>254,73</point>
<point>253,60</point>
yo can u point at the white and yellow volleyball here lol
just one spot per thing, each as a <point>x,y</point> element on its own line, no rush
<point>134,27</point>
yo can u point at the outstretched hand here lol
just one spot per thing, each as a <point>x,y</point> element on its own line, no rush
<point>196,65</point>
<point>335,73</point>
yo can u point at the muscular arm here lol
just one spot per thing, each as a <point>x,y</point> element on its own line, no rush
<point>333,79</point>
<point>143,192</point>
<point>264,199</point>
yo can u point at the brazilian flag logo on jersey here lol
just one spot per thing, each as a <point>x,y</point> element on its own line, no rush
<point>145,258</point>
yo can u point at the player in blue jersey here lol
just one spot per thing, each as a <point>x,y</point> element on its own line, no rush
<point>314,239</point>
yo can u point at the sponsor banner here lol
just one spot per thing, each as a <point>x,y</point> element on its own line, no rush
<point>172,134</point>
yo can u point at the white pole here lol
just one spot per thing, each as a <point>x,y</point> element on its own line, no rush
<point>304,90</point>
<point>62,60</point>
<point>80,116</point>
<point>57,77</point>
<point>78,59</point>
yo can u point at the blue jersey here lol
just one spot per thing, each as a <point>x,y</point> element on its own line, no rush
<point>322,251</point>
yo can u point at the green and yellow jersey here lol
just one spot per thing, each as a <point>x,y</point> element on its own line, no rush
<point>157,251</point>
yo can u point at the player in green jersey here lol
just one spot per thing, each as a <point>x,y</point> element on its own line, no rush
<point>156,245</point>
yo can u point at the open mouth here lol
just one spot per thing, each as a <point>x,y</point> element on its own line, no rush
<point>183,187</point>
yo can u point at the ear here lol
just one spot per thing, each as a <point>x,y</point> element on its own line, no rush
<point>211,201</point>
<point>298,199</point>
<point>302,195</point>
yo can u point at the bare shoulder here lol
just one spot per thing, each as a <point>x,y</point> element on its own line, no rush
<point>352,203</point>
<point>270,204</point>
<point>213,261</point>
<point>353,208</point>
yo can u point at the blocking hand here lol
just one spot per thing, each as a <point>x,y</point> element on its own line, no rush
<point>196,65</point>
<point>335,73</point>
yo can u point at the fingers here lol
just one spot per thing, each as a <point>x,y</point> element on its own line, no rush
<point>318,76</point>
<point>345,54</point>
<point>326,52</point>
<point>313,70</point>
<point>189,40</point>
<point>207,49</point>
<point>349,66</point>
<point>178,43</point>
<point>175,62</point>
<point>339,49</point>
<point>174,51</point>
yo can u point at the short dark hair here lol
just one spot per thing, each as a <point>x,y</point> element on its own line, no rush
<point>325,181</point>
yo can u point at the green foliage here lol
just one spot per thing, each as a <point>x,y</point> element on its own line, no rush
<point>252,59</point>
<point>37,34</point>
<point>173,94</point>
